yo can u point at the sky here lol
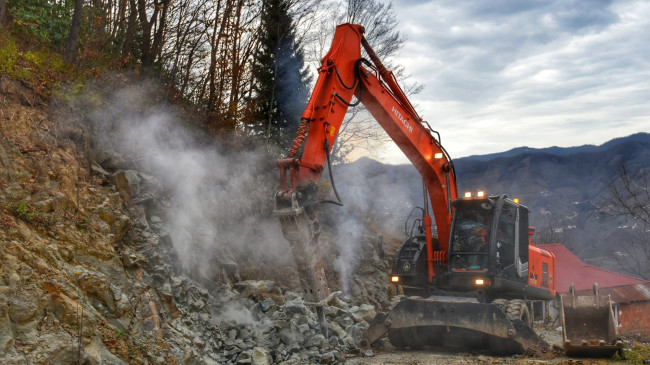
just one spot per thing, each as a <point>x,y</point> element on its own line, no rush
<point>503,74</point>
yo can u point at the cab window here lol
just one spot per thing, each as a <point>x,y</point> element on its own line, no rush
<point>470,238</point>
<point>505,238</point>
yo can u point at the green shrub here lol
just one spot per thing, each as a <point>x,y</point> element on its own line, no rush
<point>42,68</point>
<point>25,213</point>
<point>9,56</point>
<point>47,21</point>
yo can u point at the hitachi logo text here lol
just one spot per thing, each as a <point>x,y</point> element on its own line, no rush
<point>403,120</point>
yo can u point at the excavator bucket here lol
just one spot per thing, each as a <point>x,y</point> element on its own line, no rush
<point>415,322</point>
<point>588,326</point>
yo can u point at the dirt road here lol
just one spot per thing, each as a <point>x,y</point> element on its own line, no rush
<point>392,356</point>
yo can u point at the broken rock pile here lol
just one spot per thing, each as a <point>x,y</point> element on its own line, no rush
<point>263,323</point>
<point>223,320</point>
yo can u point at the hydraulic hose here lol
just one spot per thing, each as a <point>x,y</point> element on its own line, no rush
<point>326,145</point>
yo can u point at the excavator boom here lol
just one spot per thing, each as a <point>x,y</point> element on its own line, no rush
<point>342,75</point>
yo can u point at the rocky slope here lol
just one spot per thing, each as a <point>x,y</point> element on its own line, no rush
<point>91,270</point>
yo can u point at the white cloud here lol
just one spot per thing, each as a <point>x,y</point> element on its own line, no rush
<point>503,74</point>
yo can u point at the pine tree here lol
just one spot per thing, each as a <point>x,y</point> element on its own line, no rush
<point>281,88</point>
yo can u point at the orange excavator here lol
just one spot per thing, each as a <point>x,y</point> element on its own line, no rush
<point>469,282</point>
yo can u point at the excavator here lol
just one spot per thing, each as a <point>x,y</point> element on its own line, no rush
<point>467,284</point>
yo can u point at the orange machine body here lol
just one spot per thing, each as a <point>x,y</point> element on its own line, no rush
<point>541,268</point>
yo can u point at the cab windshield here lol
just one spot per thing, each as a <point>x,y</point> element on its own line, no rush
<point>470,238</point>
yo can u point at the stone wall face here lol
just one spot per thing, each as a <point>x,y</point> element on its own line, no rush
<point>89,272</point>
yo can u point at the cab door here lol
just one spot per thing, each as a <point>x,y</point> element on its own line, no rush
<point>511,240</point>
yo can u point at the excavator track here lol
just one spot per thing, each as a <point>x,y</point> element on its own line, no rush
<point>415,322</point>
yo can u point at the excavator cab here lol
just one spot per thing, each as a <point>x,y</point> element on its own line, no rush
<point>487,255</point>
<point>489,244</point>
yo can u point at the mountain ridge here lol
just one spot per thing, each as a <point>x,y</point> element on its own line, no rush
<point>566,189</point>
<point>560,151</point>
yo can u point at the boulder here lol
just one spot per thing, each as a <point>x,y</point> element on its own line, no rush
<point>97,287</point>
<point>288,333</point>
<point>295,306</point>
<point>244,358</point>
<point>317,340</point>
<point>259,290</point>
<point>267,304</point>
<point>365,312</point>
<point>327,358</point>
<point>121,183</point>
<point>344,321</point>
<point>356,331</point>
<point>260,356</point>
<point>336,329</point>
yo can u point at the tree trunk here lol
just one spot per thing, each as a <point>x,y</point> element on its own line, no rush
<point>3,13</point>
<point>118,23</point>
<point>146,25</point>
<point>71,44</point>
<point>126,46</point>
<point>158,40</point>
<point>233,104</point>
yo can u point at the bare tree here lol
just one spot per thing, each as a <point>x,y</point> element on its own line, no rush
<point>3,13</point>
<point>379,20</point>
<point>71,44</point>
<point>204,48</point>
<point>156,23</point>
<point>629,196</point>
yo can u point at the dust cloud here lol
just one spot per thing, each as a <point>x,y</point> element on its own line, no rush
<point>220,197</point>
<point>374,204</point>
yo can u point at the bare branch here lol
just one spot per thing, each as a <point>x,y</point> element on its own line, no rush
<point>629,197</point>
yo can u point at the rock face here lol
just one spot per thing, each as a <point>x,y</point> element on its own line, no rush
<point>89,273</point>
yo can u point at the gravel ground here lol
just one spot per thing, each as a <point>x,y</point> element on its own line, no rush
<point>392,356</point>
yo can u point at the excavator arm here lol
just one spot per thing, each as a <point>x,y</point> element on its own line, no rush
<point>342,75</point>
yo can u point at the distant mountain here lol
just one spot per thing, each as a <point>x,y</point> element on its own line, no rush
<point>560,151</point>
<point>565,189</point>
